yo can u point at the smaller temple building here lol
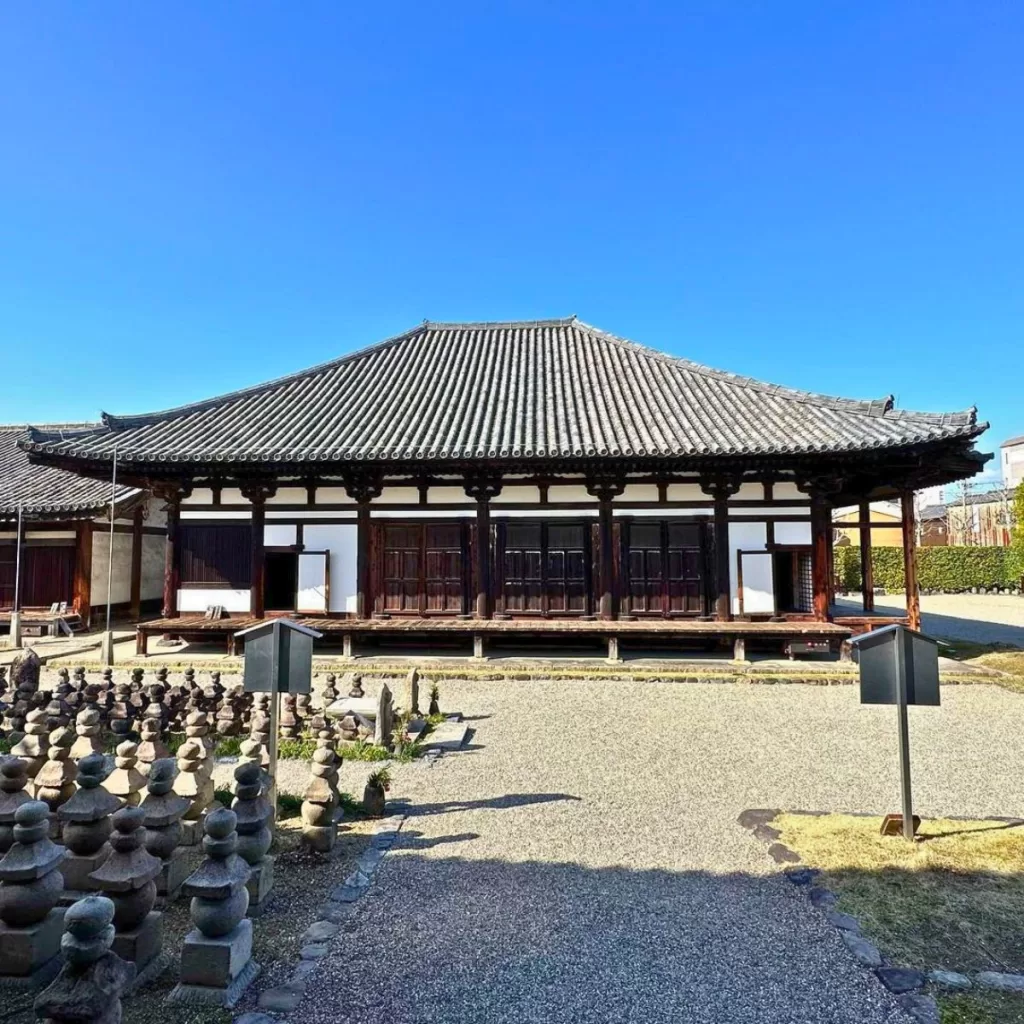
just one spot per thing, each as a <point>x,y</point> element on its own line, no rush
<point>63,552</point>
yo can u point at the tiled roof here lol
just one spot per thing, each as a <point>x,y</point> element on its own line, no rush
<point>1013,442</point>
<point>528,390</point>
<point>994,497</point>
<point>45,490</point>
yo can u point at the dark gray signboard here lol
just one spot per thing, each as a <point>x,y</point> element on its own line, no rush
<point>895,656</point>
<point>278,657</point>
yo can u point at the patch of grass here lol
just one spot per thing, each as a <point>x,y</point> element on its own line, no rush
<point>229,746</point>
<point>5,745</point>
<point>1002,658</point>
<point>288,806</point>
<point>434,720</point>
<point>174,742</point>
<point>982,1008</point>
<point>954,899</point>
<point>363,751</point>
<point>296,750</point>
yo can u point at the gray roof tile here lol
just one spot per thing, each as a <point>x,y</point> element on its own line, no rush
<point>527,390</point>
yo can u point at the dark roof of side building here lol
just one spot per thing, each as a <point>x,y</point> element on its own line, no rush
<point>527,390</point>
<point>45,491</point>
<point>995,496</point>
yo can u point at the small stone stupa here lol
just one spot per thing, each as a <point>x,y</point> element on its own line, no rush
<point>216,959</point>
<point>13,780</point>
<point>87,824</point>
<point>30,888</point>
<point>126,782</point>
<point>89,986</point>
<point>128,878</point>
<point>319,803</point>
<point>253,812</point>
<point>162,810</point>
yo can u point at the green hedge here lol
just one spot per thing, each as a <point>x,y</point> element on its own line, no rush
<point>938,568</point>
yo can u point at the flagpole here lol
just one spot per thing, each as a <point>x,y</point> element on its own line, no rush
<point>110,549</point>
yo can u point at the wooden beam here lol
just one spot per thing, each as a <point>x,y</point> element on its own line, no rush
<point>483,490</point>
<point>135,598</point>
<point>867,569</point>
<point>910,560</point>
<point>173,494</point>
<point>605,489</point>
<point>83,571</point>
<point>362,488</point>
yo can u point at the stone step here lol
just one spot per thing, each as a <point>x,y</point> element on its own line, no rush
<point>447,736</point>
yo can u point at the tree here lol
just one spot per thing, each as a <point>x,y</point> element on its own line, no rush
<point>1017,515</point>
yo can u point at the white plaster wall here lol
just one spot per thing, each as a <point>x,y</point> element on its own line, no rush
<point>289,496</point>
<point>340,540</point>
<point>153,555</point>
<point>333,496</point>
<point>751,491</point>
<point>569,492</point>
<point>543,512</point>
<point>308,514</point>
<point>398,495</point>
<point>200,496</point>
<point>279,535</point>
<point>121,576</point>
<point>520,493</point>
<point>793,533</point>
<point>423,513</point>
<point>447,496</point>
<point>239,514</point>
<point>198,599</point>
<point>232,496</point>
<point>638,492</point>
<point>786,489</point>
<point>774,510</point>
<point>663,512</point>
<point>155,514</point>
<point>686,492</point>
<point>743,537</point>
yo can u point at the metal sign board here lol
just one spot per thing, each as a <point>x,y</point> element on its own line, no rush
<point>895,659</point>
<point>278,657</point>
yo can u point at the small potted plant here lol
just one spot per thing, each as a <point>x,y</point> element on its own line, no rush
<point>377,785</point>
<point>435,696</point>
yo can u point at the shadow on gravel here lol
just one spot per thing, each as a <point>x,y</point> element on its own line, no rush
<point>412,840</point>
<point>452,940</point>
<point>496,803</point>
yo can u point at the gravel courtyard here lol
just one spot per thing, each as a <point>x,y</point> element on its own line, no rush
<point>582,861</point>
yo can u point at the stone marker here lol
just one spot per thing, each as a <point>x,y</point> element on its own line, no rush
<point>411,698</point>
<point>87,824</point>
<point>216,959</point>
<point>128,878</point>
<point>30,888</point>
<point>384,724</point>
<point>13,780</point>
<point>126,782</point>
<point>319,803</point>
<point>151,747</point>
<point>253,813</point>
<point>162,809</point>
<point>195,777</point>
<point>89,986</point>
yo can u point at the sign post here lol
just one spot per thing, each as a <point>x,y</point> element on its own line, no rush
<point>278,660</point>
<point>899,666</point>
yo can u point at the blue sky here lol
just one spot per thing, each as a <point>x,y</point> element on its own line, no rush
<point>199,196</point>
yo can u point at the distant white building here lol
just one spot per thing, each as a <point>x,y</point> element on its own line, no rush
<point>1011,460</point>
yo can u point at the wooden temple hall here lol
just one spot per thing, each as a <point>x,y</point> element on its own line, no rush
<point>541,478</point>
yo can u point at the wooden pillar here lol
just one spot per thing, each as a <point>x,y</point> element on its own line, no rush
<point>605,489</point>
<point>821,526</point>
<point>257,493</point>
<point>362,489</point>
<point>482,490</point>
<point>910,559</point>
<point>721,490</point>
<point>173,494</point>
<point>135,598</point>
<point>83,571</point>
<point>867,569</point>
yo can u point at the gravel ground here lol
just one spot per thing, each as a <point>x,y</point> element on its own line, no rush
<point>979,618</point>
<point>582,861</point>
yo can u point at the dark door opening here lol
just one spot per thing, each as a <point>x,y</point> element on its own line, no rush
<point>791,572</point>
<point>280,580</point>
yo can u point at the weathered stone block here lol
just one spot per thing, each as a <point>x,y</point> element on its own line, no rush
<point>76,870</point>
<point>191,833</point>
<point>27,952</point>
<point>261,881</point>
<point>143,944</point>
<point>172,875</point>
<point>215,963</point>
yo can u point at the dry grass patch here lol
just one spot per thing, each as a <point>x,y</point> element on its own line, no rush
<point>1002,658</point>
<point>953,899</point>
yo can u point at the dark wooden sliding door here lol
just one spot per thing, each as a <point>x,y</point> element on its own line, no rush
<point>664,568</point>
<point>47,574</point>
<point>423,568</point>
<point>543,568</point>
